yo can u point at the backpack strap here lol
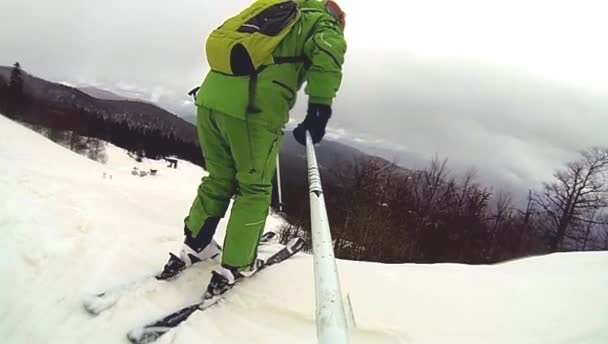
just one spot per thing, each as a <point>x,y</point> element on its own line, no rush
<point>253,81</point>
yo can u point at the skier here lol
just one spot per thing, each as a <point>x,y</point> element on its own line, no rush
<point>239,122</point>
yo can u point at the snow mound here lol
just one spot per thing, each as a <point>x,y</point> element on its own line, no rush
<point>67,229</point>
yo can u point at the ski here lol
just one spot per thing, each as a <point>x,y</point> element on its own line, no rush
<point>96,304</point>
<point>151,332</point>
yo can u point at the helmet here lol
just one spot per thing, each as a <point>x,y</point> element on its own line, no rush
<point>334,9</point>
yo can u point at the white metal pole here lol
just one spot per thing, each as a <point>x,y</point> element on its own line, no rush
<point>332,327</point>
<point>279,184</point>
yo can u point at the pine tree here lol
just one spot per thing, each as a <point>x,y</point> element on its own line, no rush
<point>16,101</point>
<point>16,80</point>
<point>3,95</point>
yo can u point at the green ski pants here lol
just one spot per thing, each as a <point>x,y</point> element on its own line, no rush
<point>240,157</point>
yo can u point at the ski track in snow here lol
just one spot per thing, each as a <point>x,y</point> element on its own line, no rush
<point>65,231</point>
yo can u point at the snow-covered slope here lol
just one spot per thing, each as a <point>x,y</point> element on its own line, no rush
<point>65,231</point>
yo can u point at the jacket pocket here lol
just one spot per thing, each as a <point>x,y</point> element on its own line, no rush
<point>291,94</point>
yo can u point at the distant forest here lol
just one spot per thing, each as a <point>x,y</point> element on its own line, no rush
<point>137,127</point>
<point>378,212</point>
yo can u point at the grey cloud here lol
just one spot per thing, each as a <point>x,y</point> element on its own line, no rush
<point>508,124</point>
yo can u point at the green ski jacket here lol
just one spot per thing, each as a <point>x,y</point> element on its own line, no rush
<point>318,38</point>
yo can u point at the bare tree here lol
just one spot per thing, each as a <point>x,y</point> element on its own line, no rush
<point>586,233</point>
<point>580,191</point>
<point>529,208</point>
<point>504,209</point>
<point>96,149</point>
<point>604,237</point>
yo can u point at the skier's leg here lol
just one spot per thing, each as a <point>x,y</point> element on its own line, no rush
<point>254,149</point>
<point>217,188</point>
<point>211,201</point>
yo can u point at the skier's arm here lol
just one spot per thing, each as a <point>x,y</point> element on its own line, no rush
<point>325,50</point>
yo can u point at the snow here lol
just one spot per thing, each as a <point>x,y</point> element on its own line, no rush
<point>66,231</point>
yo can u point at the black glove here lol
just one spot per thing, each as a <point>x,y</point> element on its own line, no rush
<point>315,122</point>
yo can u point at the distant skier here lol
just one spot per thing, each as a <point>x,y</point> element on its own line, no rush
<point>259,60</point>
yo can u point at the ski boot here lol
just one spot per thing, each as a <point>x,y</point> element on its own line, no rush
<point>194,250</point>
<point>224,278</point>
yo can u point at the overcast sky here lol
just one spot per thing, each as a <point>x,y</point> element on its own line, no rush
<point>513,88</point>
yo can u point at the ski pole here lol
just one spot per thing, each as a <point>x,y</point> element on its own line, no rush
<point>281,205</point>
<point>332,326</point>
